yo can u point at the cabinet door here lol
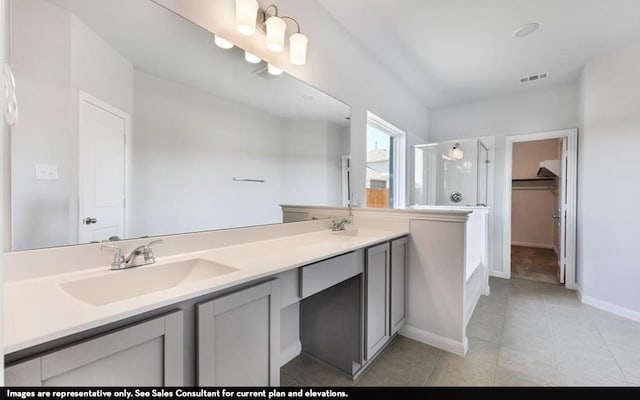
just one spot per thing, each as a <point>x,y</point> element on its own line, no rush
<point>398,284</point>
<point>377,295</point>
<point>150,353</point>
<point>239,338</point>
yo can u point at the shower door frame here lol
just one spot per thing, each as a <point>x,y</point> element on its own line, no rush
<point>571,171</point>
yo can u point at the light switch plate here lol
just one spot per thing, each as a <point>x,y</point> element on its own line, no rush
<point>46,172</point>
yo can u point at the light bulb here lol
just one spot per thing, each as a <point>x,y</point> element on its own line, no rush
<point>222,42</point>
<point>251,58</point>
<point>273,70</point>
<point>246,13</point>
<point>298,49</point>
<point>276,28</point>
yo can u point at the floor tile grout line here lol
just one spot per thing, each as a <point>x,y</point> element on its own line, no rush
<point>606,342</point>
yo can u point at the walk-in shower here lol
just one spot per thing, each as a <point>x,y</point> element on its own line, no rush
<point>453,173</point>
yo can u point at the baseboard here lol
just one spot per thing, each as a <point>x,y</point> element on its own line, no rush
<point>610,307</point>
<point>500,274</point>
<point>536,245</point>
<point>290,352</point>
<point>441,342</point>
<point>578,291</point>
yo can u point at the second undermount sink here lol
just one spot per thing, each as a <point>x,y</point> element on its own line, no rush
<point>125,284</point>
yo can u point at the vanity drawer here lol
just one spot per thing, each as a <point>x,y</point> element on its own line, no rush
<point>317,277</point>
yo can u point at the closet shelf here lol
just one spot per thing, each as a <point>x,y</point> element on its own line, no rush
<point>531,179</point>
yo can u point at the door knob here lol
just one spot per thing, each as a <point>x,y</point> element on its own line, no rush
<point>555,217</point>
<point>90,220</point>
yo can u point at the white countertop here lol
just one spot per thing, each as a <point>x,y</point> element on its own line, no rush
<point>38,310</point>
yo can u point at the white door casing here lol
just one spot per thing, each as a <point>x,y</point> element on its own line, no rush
<point>569,199</point>
<point>103,137</point>
<point>562,210</point>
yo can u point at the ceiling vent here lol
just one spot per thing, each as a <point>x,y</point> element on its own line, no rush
<point>536,77</point>
<point>263,73</point>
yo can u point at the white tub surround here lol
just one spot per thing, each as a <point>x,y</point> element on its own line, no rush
<point>448,264</point>
<point>38,309</point>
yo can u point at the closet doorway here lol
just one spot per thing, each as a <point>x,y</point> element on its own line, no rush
<point>541,207</point>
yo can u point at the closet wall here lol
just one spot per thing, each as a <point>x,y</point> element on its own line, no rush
<point>534,201</point>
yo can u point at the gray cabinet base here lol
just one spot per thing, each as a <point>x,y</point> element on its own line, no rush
<point>331,328</point>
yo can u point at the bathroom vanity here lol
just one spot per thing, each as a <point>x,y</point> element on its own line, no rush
<point>216,329</point>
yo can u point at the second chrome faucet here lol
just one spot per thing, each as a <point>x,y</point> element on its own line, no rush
<point>122,262</point>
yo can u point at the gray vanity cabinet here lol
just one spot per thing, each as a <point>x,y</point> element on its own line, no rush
<point>149,353</point>
<point>385,293</point>
<point>399,251</point>
<point>377,287</point>
<point>239,338</point>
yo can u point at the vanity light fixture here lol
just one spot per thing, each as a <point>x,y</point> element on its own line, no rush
<point>298,48</point>
<point>273,70</point>
<point>276,29</point>
<point>251,58</point>
<point>222,42</point>
<point>246,11</point>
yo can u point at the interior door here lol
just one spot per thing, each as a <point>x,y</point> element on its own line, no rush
<point>562,209</point>
<point>103,131</point>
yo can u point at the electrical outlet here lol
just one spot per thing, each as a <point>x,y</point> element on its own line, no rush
<point>46,172</point>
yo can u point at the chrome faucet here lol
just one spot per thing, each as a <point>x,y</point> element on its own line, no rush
<point>338,225</point>
<point>122,262</point>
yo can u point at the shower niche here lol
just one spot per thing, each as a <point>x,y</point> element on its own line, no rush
<point>452,173</point>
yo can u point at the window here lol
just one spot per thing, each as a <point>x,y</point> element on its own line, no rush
<point>385,164</point>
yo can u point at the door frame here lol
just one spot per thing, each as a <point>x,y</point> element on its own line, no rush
<point>86,97</point>
<point>572,185</point>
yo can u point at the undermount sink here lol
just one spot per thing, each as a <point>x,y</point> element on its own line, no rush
<point>348,232</point>
<point>124,284</point>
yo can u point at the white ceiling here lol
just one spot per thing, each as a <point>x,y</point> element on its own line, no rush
<point>451,51</point>
<point>155,40</point>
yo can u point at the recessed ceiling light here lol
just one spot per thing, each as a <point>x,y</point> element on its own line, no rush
<point>526,30</point>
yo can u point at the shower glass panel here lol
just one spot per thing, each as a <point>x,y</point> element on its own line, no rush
<point>452,173</point>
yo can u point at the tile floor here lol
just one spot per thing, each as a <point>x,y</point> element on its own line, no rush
<point>534,264</point>
<point>525,333</point>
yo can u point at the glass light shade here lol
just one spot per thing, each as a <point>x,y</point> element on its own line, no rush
<point>246,13</point>
<point>456,153</point>
<point>273,70</point>
<point>222,42</point>
<point>251,58</point>
<point>298,49</point>
<point>276,28</point>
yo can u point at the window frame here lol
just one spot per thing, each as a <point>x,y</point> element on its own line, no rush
<point>398,156</point>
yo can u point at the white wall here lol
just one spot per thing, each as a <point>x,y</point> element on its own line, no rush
<point>336,64</point>
<point>312,164</point>
<point>531,111</point>
<point>193,140</point>
<point>70,57</point>
<point>42,209</point>
<point>608,166</point>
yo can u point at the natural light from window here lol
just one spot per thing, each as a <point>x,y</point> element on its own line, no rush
<point>385,164</point>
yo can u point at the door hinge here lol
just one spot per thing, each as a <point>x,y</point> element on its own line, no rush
<point>124,203</point>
